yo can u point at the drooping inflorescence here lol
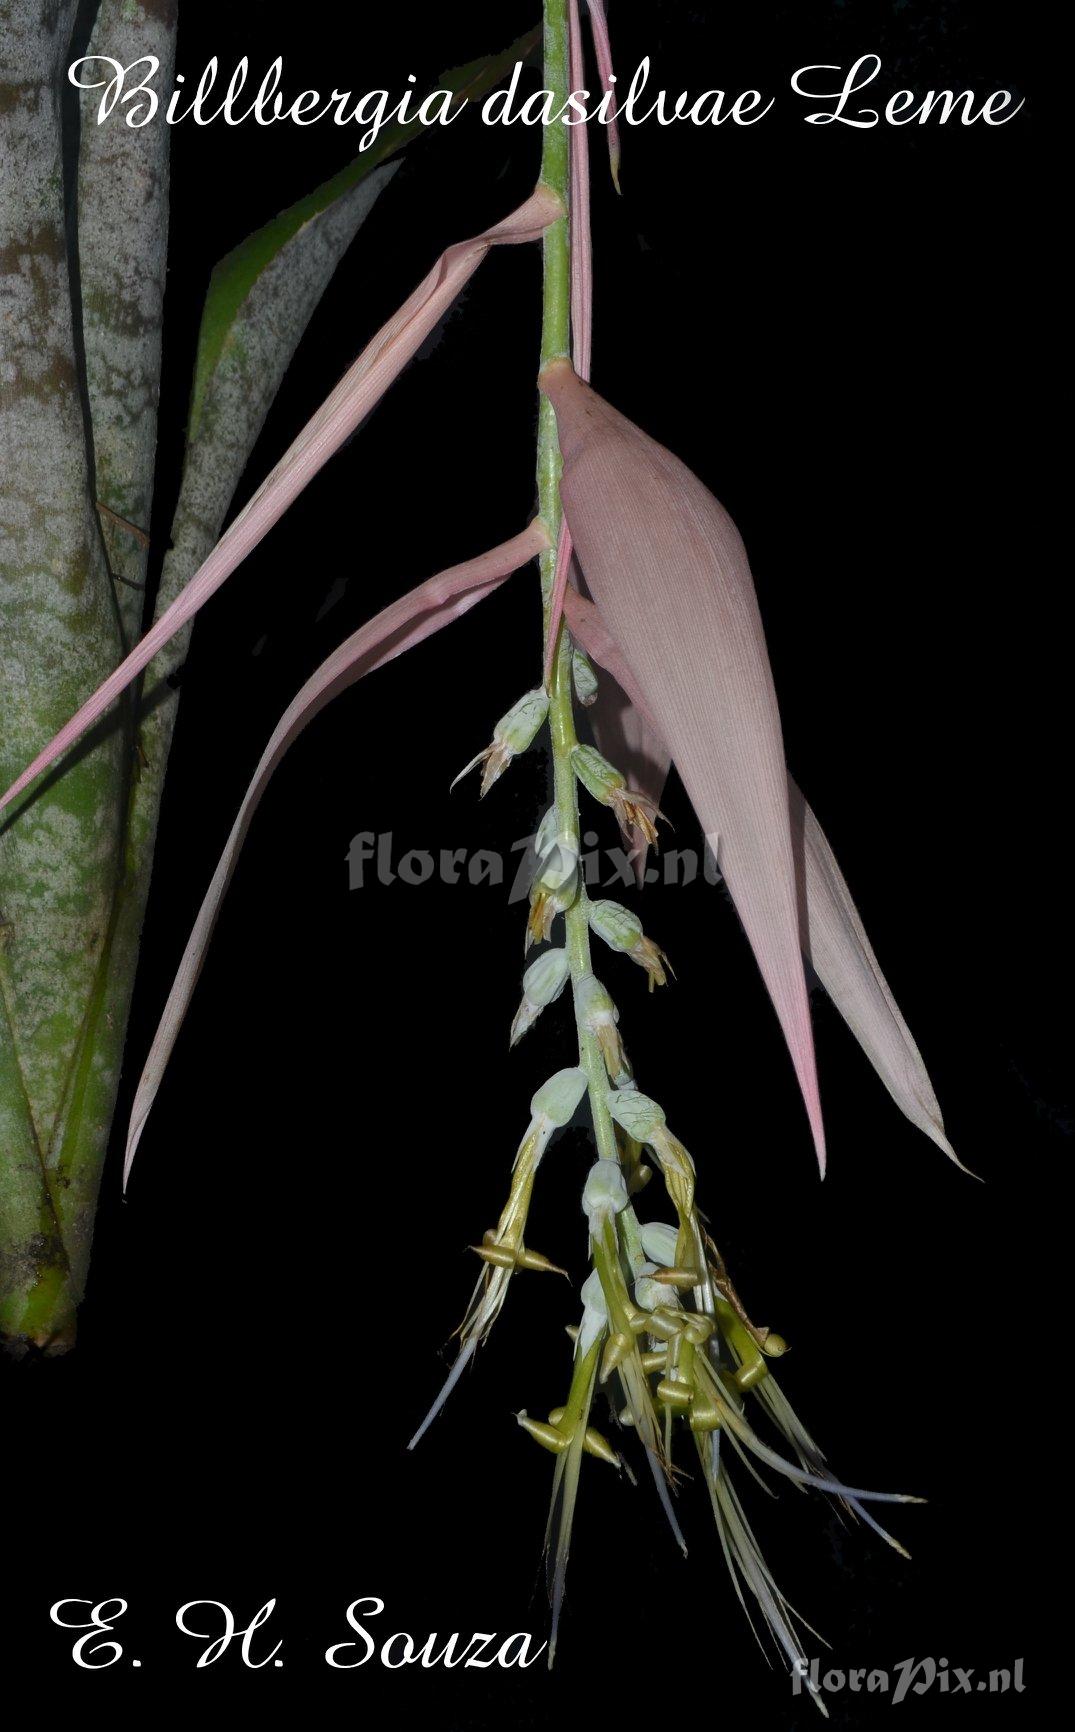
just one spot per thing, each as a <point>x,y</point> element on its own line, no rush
<point>664,1337</point>
<point>671,621</point>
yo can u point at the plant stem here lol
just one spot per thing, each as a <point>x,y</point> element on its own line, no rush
<point>555,342</point>
<point>556,263</point>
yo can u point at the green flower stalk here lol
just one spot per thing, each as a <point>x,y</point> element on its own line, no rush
<point>663,1332</point>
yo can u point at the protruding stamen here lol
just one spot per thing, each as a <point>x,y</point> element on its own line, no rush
<point>622,930</point>
<point>609,786</point>
<point>598,1015</point>
<point>652,958</point>
<point>635,811</point>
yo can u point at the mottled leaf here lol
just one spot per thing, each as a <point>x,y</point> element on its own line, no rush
<point>122,259</point>
<point>60,854</point>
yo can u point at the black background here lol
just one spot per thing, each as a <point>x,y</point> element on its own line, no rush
<point>842,332</point>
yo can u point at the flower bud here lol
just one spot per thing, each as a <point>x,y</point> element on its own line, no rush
<point>604,1193</point>
<point>543,982</point>
<point>659,1242</point>
<point>545,834</point>
<point>513,733</point>
<point>546,978</point>
<point>648,1292</point>
<point>592,1294</point>
<point>556,883</point>
<point>517,728</point>
<point>597,1013</point>
<point>623,931</point>
<point>640,1117</point>
<point>556,850</point>
<point>557,1099</point>
<point>594,1314</point>
<point>633,810</point>
<point>617,925</point>
<point>597,775</point>
<point>583,677</point>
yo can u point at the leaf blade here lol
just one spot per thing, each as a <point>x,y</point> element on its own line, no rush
<point>833,937</point>
<point>670,575</point>
<point>236,274</point>
<point>394,630</point>
<point>361,387</point>
<point>836,943</point>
